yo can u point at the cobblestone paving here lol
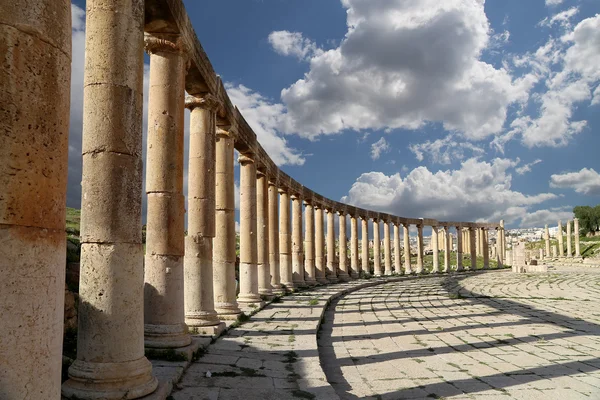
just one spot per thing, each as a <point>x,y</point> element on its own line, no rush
<point>493,335</point>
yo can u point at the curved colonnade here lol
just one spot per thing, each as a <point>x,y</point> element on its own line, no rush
<point>131,299</point>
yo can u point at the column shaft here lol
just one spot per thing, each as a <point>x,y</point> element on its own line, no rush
<point>569,250</point>
<point>397,251</point>
<point>262,235</point>
<point>364,242</point>
<point>274,238</point>
<point>459,254</point>
<point>285,245</point>
<point>434,243</point>
<point>407,266</point>
<point>34,146</point>
<point>486,250</point>
<point>197,266</point>
<point>419,249</point>
<point>309,245</point>
<point>343,250</point>
<point>447,248</point>
<point>331,266</point>
<point>320,262</point>
<point>576,233</point>
<point>547,240</point>
<point>354,247</point>
<point>561,245</point>
<point>297,245</point>
<point>224,243</point>
<point>472,240</point>
<point>387,248</point>
<point>110,342</point>
<point>376,249</point>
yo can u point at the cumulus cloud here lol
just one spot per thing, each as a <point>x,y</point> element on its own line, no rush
<point>586,181</point>
<point>401,65</point>
<point>378,148</point>
<point>522,170</point>
<point>479,190</point>
<point>293,44</point>
<point>446,150</point>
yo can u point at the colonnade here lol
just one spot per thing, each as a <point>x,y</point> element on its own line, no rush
<point>131,298</point>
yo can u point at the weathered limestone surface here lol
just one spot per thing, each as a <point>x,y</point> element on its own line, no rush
<point>397,251</point>
<point>405,233</point>
<point>110,344</point>
<point>164,310</point>
<point>224,243</point>
<point>199,299</point>
<point>297,245</point>
<point>320,261</point>
<point>472,240</point>
<point>387,248</point>
<point>434,243</point>
<point>447,248</point>
<point>274,238</point>
<point>459,264</point>
<point>569,250</point>
<point>343,275</point>
<point>262,235</point>
<point>35,47</point>
<point>486,250</point>
<point>576,232</point>
<point>364,244</point>
<point>419,269</point>
<point>310,274</point>
<point>561,245</point>
<point>331,266</point>
<point>354,265</point>
<point>285,245</point>
<point>377,271</point>
<point>547,240</point>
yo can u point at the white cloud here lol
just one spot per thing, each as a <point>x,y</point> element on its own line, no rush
<point>378,148</point>
<point>540,218</point>
<point>527,167</point>
<point>445,151</point>
<point>264,117</point>
<point>401,65</point>
<point>586,181</point>
<point>562,18</point>
<point>293,44</point>
<point>479,190</point>
<point>553,2</point>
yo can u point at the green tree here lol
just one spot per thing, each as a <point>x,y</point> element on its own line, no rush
<point>589,218</point>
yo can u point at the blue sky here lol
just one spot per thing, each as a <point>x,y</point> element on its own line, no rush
<point>456,110</point>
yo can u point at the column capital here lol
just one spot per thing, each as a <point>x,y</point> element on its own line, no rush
<point>163,43</point>
<point>295,196</point>
<point>261,173</point>
<point>308,202</point>
<point>205,101</point>
<point>226,131</point>
<point>245,159</point>
<point>281,190</point>
<point>364,218</point>
<point>574,219</point>
<point>341,212</point>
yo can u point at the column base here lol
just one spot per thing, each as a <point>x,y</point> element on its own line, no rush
<point>227,311</point>
<point>343,277</point>
<point>266,293</point>
<point>109,381</point>
<point>289,286</point>
<point>248,298</point>
<point>388,272</point>
<point>166,336</point>
<point>300,284</point>
<point>354,275</point>
<point>208,330</point>
<point>249,308</point>
<point>311,282</point>
<point>322,280</point>
<point>332,279</point>
<point>460,269</point>
<point>201,318</point>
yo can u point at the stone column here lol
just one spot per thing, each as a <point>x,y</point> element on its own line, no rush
<point>309,244</point>
<point>459,255</point>
<point>164,310</point>
<point>498,248</point>
<point>397,251</point>
<point>343,249</point>
<point>297,245</point>
<point>365,244</point>
<point>110,341</point>
<point>262,235</point>
<point>576,233</point>
<point>387,248</point>
<point>285,245</point>
<point>486,250</point>
<point>554,251</point>
<point>541,254</point>
<point>419,249</point>
<point>407,266</point>
<point>274,238</point>
<point>320,263</point>
<point>472,247</point>
<point>547,240</point>
<point>200,314</point>
<point>224,242</point>
<point>248,226</point>
<point>446,246</point>
<point>377,271</point>
<point>561,245</point>
<point>34,145</point>
<point>569,250</point>
<point>331,267</point>
<point>354,266</point>
<point>503,236</point>
<point>436,249</point>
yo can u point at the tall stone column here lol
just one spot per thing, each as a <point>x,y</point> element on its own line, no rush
<point>200,314</point>
<point>503,244</point>
<point>110,360</point>
<point>274,238</point>
<point>164,310</point>
<point>34,145</point>
<point>364,242</point>
<point>285,245</point>
<point>354,266</point>
<point>309,244</point>
<point>407,267</point>
<point>447,248</point>
<point>436,249</point>
<point>473,249</point>
<point>547,240</point>
<point>486,249</point>
<point>224,242</point>
<point>377,271</point>
<point>561,245</point>
<point>569,250</point>
<point>320,262</point>
<point>297,245</point>
<point>248,226</point>
<point>419,249</point>
<point>397,251</point>
<point>343,249</point>
<point>387,248</point>
<point>459,254</point>
<point>331,267</point>
<point>576,232</point>
<point>262,235</point>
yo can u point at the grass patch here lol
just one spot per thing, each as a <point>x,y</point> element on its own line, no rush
<point>313,302</point>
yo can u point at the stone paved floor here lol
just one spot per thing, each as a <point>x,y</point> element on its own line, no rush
<point>494,335</point>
